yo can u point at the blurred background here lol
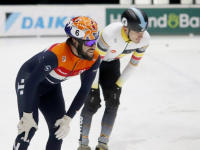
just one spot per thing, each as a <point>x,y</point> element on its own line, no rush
<point>159,108</point>
<point>102,2</point>
<point>48,17</point>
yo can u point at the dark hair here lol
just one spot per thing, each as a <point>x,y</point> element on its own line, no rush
<point>79,48</point>
<point>69,41</point>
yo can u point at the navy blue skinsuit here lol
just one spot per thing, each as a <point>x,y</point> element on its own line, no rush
<point>38,88</point>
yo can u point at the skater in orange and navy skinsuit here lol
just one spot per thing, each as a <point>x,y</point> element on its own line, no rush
<point>38,83</point>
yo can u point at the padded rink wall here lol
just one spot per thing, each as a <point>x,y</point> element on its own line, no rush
<point>49,20</point>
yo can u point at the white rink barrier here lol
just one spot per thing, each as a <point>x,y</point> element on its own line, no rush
<point>50,20</point>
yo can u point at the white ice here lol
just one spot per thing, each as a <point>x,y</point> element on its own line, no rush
<point>160,103</point>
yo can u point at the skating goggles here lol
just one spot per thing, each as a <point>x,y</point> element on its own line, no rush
<point>90,43</point>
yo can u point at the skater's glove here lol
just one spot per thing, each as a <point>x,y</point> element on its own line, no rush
<point>64,128</point>
<point>112,96</point>
<point>26,123</point>
<point>93,100</point>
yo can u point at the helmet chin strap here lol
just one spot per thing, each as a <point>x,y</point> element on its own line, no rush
<point>128,35</point>
<point>79,49</point>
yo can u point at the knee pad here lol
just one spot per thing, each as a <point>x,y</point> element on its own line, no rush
<point>111,110</point>
<point>93,101</point>
<point>87,109</point>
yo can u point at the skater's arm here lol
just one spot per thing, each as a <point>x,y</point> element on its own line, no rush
<point>46,64</point>
<point>131,66</point>
<point>87,78</point>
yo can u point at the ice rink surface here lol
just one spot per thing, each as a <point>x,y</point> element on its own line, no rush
<point>160,103</point>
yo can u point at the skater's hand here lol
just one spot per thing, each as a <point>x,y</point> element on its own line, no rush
<point>26,123</point>
<point>64,128</point>
<point>93,100</point>
<point>112,96</point>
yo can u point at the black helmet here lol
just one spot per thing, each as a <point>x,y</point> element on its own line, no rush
<point>135,19</point>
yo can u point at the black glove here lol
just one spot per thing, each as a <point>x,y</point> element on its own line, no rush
<point>93,100</point>
<point>112,96</point>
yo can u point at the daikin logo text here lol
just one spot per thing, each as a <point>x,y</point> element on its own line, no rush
<point>24,22</point>
<point>41,22</point>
